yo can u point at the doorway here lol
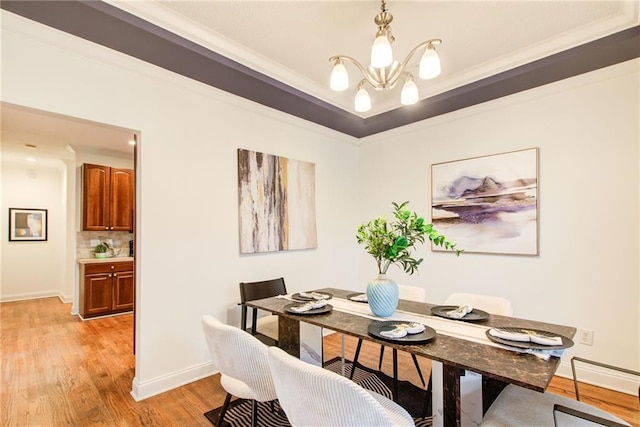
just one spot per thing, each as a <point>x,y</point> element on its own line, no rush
<point>42,154</point>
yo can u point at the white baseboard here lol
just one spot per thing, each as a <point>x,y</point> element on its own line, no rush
<point>36,295</point>
<point>600,377</point>
<point>146,389</point>
<point>65,298</point>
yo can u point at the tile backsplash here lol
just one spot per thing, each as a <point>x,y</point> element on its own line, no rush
<point>120,241</point>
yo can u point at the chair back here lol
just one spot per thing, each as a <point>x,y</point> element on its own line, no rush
<point>240,356</point>
<point>488,303</point>
<point>250,291</point>
<point>313,396</point>
<point>412,293</point>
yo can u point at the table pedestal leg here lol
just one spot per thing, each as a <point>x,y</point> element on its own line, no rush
<point>301,340</point>
<point>289,336</point>
<point>490,390</point>
<point>311,344</point>
<point>451,396</point>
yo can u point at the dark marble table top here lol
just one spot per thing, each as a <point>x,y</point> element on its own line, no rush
<point>525,370</point>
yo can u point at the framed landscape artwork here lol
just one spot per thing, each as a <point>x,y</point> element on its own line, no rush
<point>27,225</point>
<point>277,203</point>
<point>488,204</point>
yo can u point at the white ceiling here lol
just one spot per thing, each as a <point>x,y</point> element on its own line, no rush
<point>57,137</point>
<point>292,41</point>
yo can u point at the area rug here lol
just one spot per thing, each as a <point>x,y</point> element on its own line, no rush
<point>410,397</point>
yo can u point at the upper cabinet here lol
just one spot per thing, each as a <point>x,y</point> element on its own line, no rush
<point>107,198</point>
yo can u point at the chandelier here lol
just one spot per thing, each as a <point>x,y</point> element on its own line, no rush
<point>384,72</point>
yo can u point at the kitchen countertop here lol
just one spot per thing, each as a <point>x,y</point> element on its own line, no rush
<point>102,260</point>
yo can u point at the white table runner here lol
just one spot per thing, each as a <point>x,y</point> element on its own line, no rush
<point>453,328</point>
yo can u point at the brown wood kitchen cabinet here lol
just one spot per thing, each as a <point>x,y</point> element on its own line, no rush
<point>106,288</point>
<point>107,198</point>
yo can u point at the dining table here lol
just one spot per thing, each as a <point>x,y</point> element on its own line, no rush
<point>459,346</point>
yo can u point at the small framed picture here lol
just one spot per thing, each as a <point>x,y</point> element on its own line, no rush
<point>27,225</point>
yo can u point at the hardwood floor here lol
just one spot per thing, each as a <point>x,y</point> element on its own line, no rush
<point>60,371</point>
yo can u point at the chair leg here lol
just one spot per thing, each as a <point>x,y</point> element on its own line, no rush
<point>355,359</point>
<point>224,409</point>
<point>415,362</point>
<point>395,375</point>
<point>254,413</point>
<point>381,357</point>
<point>428,410</point>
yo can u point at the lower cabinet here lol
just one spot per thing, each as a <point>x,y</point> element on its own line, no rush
<point>106,288</point>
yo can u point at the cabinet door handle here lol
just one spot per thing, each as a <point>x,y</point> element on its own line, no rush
<point>115,275</point>
<point>106,228</point>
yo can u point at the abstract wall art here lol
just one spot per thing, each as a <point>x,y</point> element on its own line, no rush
<point>488,204</point>
<point>27,225</point>
<point>277,207</point>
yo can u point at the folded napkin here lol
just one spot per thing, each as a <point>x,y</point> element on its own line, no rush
<point>525,336</point>
<point>415,328</point>
<point>360,298</point>
<point>314,295</point>
<point>398,331</point>
<point>508,335</point>
<point>308,306</point>
<point>402,329</point>
<point>459,312</point>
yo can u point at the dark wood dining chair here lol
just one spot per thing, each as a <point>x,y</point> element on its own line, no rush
<point>265,328</point>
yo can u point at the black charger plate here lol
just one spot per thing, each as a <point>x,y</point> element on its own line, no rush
<point>299,297</point>
<point>566,342</point>
<point>475,316</point>
<point>327,308</point>
<point>379,326</point>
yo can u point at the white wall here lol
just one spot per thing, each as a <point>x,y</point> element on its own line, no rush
<point>34,269</point>
<point>187,169</point>
<point>586,274</point>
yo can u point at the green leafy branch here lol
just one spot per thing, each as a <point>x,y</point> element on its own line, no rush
<point>392,243</point>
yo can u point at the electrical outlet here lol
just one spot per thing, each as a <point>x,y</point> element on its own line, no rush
<point>94,242</point>
<point>585,336</point>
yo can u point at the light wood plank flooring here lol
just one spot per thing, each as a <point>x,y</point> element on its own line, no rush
<point>60,371</point>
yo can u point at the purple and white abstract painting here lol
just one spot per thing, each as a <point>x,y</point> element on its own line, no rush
<point>277,203</point>
<point>488,204</point>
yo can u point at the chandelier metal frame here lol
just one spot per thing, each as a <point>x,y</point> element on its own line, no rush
<point>385,78</point>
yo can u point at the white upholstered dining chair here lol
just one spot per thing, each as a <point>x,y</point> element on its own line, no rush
<point>491,304</point>
<point>312,396</point>
<point>243,364</point>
